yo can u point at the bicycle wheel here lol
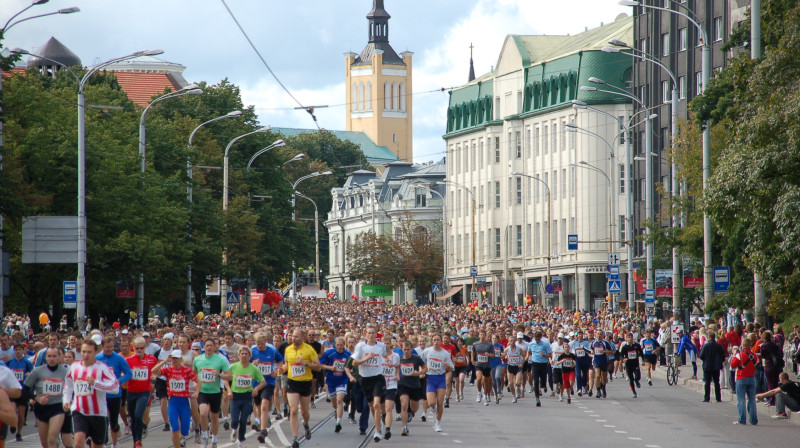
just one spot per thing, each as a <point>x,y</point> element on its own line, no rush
<point>671,377</point>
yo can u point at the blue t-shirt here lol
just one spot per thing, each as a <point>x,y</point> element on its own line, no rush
<point>121,369</point>
<point>265,361</point>
<point>337,360</point>
<point>497,360</point>
<point>581,350</point>
<point>538,350</point>
<point>649,345</point>
<point>21,368</point>
<point>599,348</point>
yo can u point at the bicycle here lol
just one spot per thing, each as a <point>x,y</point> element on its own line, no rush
<point>672,370</point>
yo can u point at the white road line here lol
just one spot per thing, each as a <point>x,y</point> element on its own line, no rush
<point>634,438</point>
<point>601,421</point>
<point>281,435</point>
<point>621,432</point>
<point>610,426</point>
<point>457,441</point>
<point>588,412</point>
<point>594,415</point>
<point>652,446</point>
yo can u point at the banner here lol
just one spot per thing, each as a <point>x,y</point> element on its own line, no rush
<point>663,282</point>
<point>693,282</point>
<point>556,282</point>
<point>376,291</point>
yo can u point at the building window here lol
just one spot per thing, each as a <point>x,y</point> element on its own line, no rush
<point>394,138</point>
<point>622,230</point>
<point>458,249</point>
<point>544,139</point>
<point>497,194</point>
<point>354,97</point>
<point>536,188</point>
<point>496,243</point>
<point>519,190</point>
<point>682,39</point>
<point>643,45</point>
<point>621,123</point>
<point>665,92</point>
<point>519,240</point>
<point>536,141</point>
<point>395,97</point>
<point>555,138</point>
<point>554,185</point>
<point>480,245</point>
<point>472,155</point>
<point>642,142</point>
<point>480,153</point>
<point>643,94</point>
<point>682,87</point>
<point>528,143</point>
<point>510,195</point>
<point>544,190</point>
<point>458,158</point>
<point>554,237</point>
<point>509,146</point>
<point>528,240</point>
<point>467,206</point>
<point>528,195</point>
<point>622,179</point>
<point>563,136</point>
<point>698,83</point>
<point>402,96</point>
<point>421,199</point>
<point>518,143</point>
<point>536,240</point>
<point>665,44</point>
<point>497,108</point>
<point>497,149</point>
<point>458,202</point>
<point>717,29</point>
<point>480,199</point>
<point>571,139</point>
<point>466,157</point>
<point>563,183</point>
<point>387,96</point>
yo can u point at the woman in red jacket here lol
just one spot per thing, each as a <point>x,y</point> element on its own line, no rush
<point>745,362</point>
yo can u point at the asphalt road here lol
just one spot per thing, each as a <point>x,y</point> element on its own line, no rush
<point>661,417</point>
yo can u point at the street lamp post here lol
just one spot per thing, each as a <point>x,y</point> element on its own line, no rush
<point>6,27</point>
<point>294,219</point>
<point>549,234</point>
<point>316,237</point>
<point>473,228</point>
<point>81,290</point>
<point>444,229</point>
<point>189,197</point>
<point>223,289</point>
<point>191,89</point>
<point>708,285</point>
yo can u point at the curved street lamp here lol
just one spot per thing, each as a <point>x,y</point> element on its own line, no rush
<point>294,219</point>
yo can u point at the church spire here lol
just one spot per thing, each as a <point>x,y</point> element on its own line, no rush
<point>378,22</point>
<point>471,66</point>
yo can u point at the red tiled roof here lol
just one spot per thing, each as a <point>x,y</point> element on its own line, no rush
<point>141,87</point>
<point>14,71</point>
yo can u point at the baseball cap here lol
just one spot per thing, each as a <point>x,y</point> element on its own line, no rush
<point>146,334</point>
<point>176,354</point>
<point>560,335</point>
<point>680,330</point>
<point>168,336</point>
<point>197,345</point>
<point>97,339</point>
<point>125,331</point>
<point>520,335</point>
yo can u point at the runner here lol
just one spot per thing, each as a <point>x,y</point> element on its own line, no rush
<point>482,351</point>
<point>540,354</point>
<point>438,363</point>
<point>45,386</point>
<point>301,360</point>
<point>449,345</point>
<point>333,362</point>
<point>368,357</point>
<point>85,388</point>
<point>391,367</point>
<point>631,351</point>
<point>241,393</point>
<point>177,376</point>
<point>161,381</point>
<point>650,349</point>
<point>498,368</point>
<point>515,358</point>
<point>566,360</point>
<point>269,362</point>
<point>122,371</point>
<point>139,389</point>
<point>21,367</point>
<point>459,369</point>
<point>557,349</point>
<point>210,368</point>
<point>600,351</point>
<point>409,387</point>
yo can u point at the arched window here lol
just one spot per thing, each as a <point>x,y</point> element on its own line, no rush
<point>387,96</point>
<point>354,98</point>
<point>402,96</point>
<point>361,200</point>
<point>369,95</point>
<point>362,97</point>
<point>395,101</point>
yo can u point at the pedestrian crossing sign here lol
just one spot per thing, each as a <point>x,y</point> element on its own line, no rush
<point>614,286</point>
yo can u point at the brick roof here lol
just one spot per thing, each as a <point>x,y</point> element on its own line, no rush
<point>141,87</point>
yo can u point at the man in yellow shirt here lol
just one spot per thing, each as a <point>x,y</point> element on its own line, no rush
<point>301,359</point>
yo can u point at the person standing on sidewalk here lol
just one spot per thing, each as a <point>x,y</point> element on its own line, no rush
<point>744,362</point>
<point>787,396</point>
<point>713,355</point>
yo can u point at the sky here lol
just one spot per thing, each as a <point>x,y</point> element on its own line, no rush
<point>304,42</point>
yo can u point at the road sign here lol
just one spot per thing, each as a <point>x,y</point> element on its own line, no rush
<point>572,242</point>
<point>722,278</point>
<point>70,294</point>
<point>473,271</point>
<point>233,297</point>
<point>613,272</point>
<point>649,296</point>
<point>436,288</point>
<point>613,259</point>
<point>474,295</point>
<point>650,310</point>
<point>614,286</point>
<point>675,336</point>
<point>549,288</point>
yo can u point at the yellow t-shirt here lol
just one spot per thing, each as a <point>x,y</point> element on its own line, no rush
<point>296,358</point>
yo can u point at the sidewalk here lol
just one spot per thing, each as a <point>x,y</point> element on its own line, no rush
<point>728,396</point>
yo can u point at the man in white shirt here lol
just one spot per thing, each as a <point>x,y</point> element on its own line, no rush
<point>368,357</point>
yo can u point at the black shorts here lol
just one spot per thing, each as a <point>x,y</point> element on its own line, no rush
<point>458,370</point>
<point>161,388</point>
<point>94,426</point>
<point>485,371</point>
<point>124,395</point>
<point>390,395</point>
<point>373,386</point>
<point>650,359</point>
<point>513,370</point>
<point>214,401</point>
<point>557,376</point>
<point>267,393</point>
<point>113,405</point>
<point>414,393</point>
<point>300,387</point>
<point>527,367</point>
<point>45,412</point>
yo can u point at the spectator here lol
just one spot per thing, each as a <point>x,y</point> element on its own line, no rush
<point>713,355</point>
<point>773,362</point>
<point>788,395</point>
<point>744,361</point>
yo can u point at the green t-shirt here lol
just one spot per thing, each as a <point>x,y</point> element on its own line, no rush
<point>243,378</point>
<point>205,366</point>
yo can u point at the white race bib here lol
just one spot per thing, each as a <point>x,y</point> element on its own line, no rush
<point>298,370</point>
<point>139,374</point>
<point>568,363</point>
<point>598,351</point>
<point>207,375</point>
<point>461,359</point>
<point>83,388</point>
<point>243,381</point>
<point>19,374</point>
<point>177,385</point>
<point>265,368</point>
<point>434,364</point>
<point>406,369</point>
<point>483,359</point>
<point>372,362</point>
<point>51,386</point>
<point>388,371</point>
<point>338,367</point>
<point>514,360</point>
<point>580,352</point>
<point>632,355</point>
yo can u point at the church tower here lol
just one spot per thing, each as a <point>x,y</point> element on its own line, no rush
<point>379,88</point>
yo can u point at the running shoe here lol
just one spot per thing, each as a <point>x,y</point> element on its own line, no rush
<point>569,400</point>
<point>295,444</point>
<point>262,436</point>
<point>166,427</point>
<point>233,435</point>
<point>377,437</point>
<point>213,444</point>
<point>313,404</point>
<point>19,437</point>
<point>580,393</point>
<point>144,432</point>
<point>255,427</point>
<point>780,416</point>
<point>351,420</point>
<point>127,430</point>
<point>560,398</point>
<point>388,434</point>
<point>240,444</point>
<point>514,400</point>
<point>423,418</point>
<point>478,399</point>
<point>338,427</point>
<point>405,431</point>
<point>635,396</point>
<point>447,402</point>
<point>552,393</point>
<point>285,412</point>
<point>605,395</point>
<point>437,427</point>
<point>649,382</point>
<point>362,432</point>
<point>538,403</point>
<point>226,425</point>
<point>497,399</point>
<point>183,441</point>
<point>398,418</point>
<point>308,432</point>
<point>590,392</point>
<point>278,416</point>
<point>196,436</point>
<point>205,442</point>
<point>486,402</point>
<point>638,384</point>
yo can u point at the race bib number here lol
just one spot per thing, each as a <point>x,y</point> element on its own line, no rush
<point>83,388</point>
<point>51,386</point>
<point>298,370</point>
<point>598,351</point>
<point>497,352</point>
<point>483,358</point>
<point>434,364</point>
<point>139,374</point>
<point>372,362</point>
<point>406,369</point>
<point>177,385</point>
<point>208,375</point>
<point>514,360</point>
<point>265,368</point>
<point>338,366</point>
<point>19,374</point>
<point>648,348</point>
<point>632,355</point>
<point>243,381</point>
<point>580,352</point>
<point>388,371</point>
<point>568,363</point>
<point>461,359</point>
<point>469,348</point>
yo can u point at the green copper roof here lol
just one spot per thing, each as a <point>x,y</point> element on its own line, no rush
<point>375,154</point>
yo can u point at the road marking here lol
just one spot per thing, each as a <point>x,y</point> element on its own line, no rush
<point>610,426</point>
<point>621,432</point>
<point>588,412</point>
<point>652,446</point>
<point>281,435</point>
<point>601,421</point>
<point>634,438</point>
<point>582,407</point>
<point>457,441</point>
<point>594,415</point>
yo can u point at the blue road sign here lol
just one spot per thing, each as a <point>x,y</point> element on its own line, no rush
<point>722,278</point>
<point>436,288</point>
<point>649,296</point>
<point>613,272</point>
<point>549,288</point>
<point>70,294</point>
<point>614,286</point>
<point>233,297</point>
<point>572,242</point>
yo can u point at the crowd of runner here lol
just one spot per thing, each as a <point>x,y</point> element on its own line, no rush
<point>394,364</point>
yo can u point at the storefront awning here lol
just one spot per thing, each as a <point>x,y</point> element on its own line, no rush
<point>451,292</point>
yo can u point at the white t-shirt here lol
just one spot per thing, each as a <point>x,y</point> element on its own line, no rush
<point>7,379</point>
<point>373,366</point>
<point>390,365</point>
<point>557,350</point>
<point>436,360</point>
